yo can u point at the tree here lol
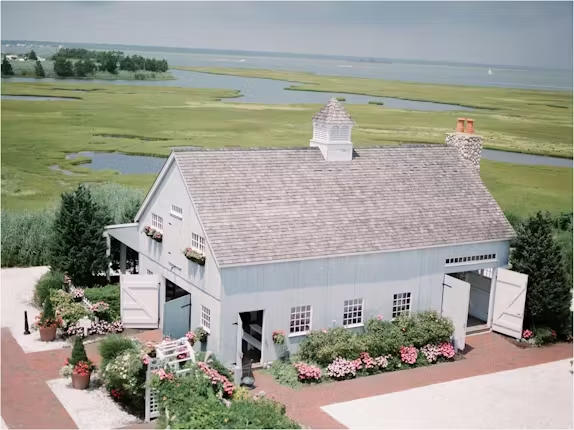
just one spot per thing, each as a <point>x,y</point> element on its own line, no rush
<point>39,70</point>
<point>78,246</point>
<point>537,254</point>
<point>83,68</point>
<point>63,68</point>
<point>7,67</point>
<point>78,352</point>
<point>32,56</point>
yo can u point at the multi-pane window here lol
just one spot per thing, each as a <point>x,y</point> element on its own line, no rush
<point>353,312</point>
<point>487,273</point>
<point>205,318</point>
<point>401,304</point>
<point>471,259</point>
<point>176,211</point>
<point>197,242</point>
<point>156,222</point>
<point>300,319</point>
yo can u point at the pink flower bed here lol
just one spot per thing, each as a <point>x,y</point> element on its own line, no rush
<point>217,378</point>
<point>307,373</point>
<point>409,354</point>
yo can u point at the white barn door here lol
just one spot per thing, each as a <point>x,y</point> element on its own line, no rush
<point>139,301</point>
<point>509,303</point>
<point>455,299</point>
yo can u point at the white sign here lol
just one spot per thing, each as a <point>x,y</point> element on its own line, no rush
<point>85,323</point>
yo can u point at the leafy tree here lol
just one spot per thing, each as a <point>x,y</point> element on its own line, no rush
<point>78,352</point>
<point>39,70</point>
<point>7,67</point>
<point>32,56</point>
<point>537,254</point>
<point>63,68</point>
<point>83,68</point>
<point>78,246</point>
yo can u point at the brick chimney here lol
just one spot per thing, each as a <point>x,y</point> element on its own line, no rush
<point>468,143</point>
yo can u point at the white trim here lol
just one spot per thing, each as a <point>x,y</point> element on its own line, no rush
<point>176,212</point>
<point>299,333</point>
<point>155,186</point>
<point>290,260</point>
<point>354,325</point>
<point>113,226</point>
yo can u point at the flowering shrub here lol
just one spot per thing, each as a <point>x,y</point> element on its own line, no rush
<point>447,350</point>
<point>526,334</point>
<point>342,369</point>
<point>78,293</point>
<point>382,361</point>
<point>324,346</point>
<point>190,336</point>
<point>431,352</point>
<point>195,256</point>
<point>126,373</point>
<point>307,373</point>
<point>279,337</point>
<point>83,368</point>
<point>201,334</point>
<point>101,327</point>
<point>163,375</point>
<point>218,381</point>
<point>409,354</point>
<point>367,361</point>
<point>99,307</point>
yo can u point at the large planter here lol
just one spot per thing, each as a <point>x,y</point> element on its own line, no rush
<point>47,334</point>
<point>80,382</point>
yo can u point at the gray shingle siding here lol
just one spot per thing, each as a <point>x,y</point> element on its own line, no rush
<point>279,204</point>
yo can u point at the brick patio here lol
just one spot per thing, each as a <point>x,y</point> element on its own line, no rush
<point>28,402</point>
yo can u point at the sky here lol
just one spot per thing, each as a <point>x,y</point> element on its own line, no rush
<point>516,33</point>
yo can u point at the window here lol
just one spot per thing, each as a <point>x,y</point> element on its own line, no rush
<point>149,272</point>
<point>471,259</point>
<point>353,312</point>
<point>197,242</point>
<point>205,318</point>
<point>401,304</point>
<point>176,211</point>
<point>300,319</point>
<point>157,222</point>
<point>487,273</point>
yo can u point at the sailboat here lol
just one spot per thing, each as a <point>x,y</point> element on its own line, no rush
<point>489,72</point>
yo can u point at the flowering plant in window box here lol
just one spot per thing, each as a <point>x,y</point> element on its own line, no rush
<point>279,337</point>
<point>195,256</point>
<point>149,231</point>
<point>157,236</point>
<point>201,334</point>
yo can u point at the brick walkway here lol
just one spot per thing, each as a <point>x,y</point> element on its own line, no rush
<point>487,353</point>
<point>28,402</point>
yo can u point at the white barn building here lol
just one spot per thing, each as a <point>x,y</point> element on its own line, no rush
<point>310,238</point>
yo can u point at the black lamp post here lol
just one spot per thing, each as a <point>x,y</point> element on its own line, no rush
<point>26,327</point>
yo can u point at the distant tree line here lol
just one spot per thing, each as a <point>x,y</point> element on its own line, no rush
<point>82,62</point>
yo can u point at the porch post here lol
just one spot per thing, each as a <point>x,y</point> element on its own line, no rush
<point>491,296</point>
<point>108,254</point>
<point>123,252</point>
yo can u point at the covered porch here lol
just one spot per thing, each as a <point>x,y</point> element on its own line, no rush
<point>122,248</point>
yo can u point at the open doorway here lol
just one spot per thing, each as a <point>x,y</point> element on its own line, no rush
<point>252,339</point>
<point>479,306</point>
<point>177,311</point>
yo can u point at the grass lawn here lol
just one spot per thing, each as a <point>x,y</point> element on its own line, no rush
<point>27,68</point>
<point>38,134</point>
<point>531,121</point>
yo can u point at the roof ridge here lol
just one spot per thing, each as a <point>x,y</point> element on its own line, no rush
<point>305,148</point>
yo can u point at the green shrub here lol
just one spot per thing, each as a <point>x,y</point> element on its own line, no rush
<point>78,352</point>
<point>215,363</point>
<point>52,280</point>
<point>374,102</point>
<point>544,335</point>
<point>113,346</point>
<point>425,328</point>
<point>69,310</point>
<point>258,414</point>
<point>383,338</point>
<point>284,373</point>
<point>324,346</point>
<point>109,294</point>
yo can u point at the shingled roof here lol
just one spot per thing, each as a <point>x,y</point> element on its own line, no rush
<point>334,113</point>
<point>278,204</point>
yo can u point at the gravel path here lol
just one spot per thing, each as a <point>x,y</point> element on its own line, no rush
<point>92,408</point>
<point>537,397</point>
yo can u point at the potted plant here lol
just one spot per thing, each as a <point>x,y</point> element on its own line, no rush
<point>149,231</point>
<point>78,366</point>
<point>278,337</point>
<point>78,295</point>
<point>195,256</point>
<point>201,334</point>
<point>157,236</point>
<point>47,322</point>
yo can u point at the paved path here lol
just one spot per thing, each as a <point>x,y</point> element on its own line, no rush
<point>485,354</point>
<point>536,397</point>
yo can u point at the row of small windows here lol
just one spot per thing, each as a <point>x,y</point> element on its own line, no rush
<point>353,313</point>
<point>473,258</point>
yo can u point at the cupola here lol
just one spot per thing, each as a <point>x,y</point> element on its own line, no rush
<point>332,127</point>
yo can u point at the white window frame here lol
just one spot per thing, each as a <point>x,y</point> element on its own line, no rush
<point>473,259</point>
<point>402,304</point>
<point>176,212</point>
<point>350,314</point>
<point>487,272</point>
<point>206,318</point>
<point>198,243</point>
<point>157,222</point>
<point>298,316</point>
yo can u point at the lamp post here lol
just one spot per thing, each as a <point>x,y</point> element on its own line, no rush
<point>26,326</point>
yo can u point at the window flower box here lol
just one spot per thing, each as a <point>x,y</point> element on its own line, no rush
<point>153,233</point>
<point>195,256</point>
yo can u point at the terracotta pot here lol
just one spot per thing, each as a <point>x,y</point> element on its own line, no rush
<point>80,382</point>
<point>47,334</point>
